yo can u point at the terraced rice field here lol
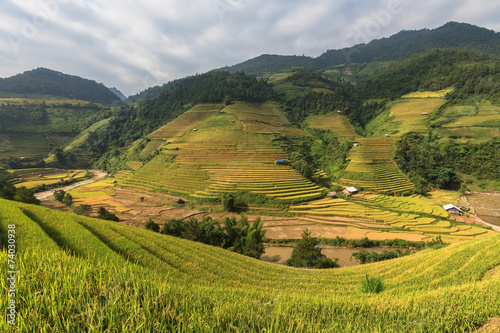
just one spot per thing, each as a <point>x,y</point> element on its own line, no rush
<point>409,113</point>
<point>371,167</point>
<point>428,94</point>
<point>264,118</point>
<point>46,176</point>
<point>186,122</point>
<point>222,155</point>
<point>478,121</point>
<point>83,270</point>
<point>384,217</point>
<point>335,123</point>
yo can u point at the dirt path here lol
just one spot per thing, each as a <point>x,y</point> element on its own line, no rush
<point>98,175</point>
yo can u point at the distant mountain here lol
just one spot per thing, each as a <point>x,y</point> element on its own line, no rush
<point>118,93</point>
<point>394,48</point>
<point>48,82</point>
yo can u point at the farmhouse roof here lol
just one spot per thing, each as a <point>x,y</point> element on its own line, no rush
<point>451,207</point>
<point>351,189</point>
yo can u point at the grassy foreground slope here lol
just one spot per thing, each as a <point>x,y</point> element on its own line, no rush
<point>82,274</point>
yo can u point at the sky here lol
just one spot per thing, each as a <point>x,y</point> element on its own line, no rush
<point>133,45</point>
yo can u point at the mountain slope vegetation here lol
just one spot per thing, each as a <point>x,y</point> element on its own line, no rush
<point>44,81</point>
<point>452,35</point>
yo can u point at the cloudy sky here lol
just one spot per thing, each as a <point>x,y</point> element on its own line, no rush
<point>133,45</point>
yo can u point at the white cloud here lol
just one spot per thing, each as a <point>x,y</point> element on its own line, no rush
<point>133,45</point>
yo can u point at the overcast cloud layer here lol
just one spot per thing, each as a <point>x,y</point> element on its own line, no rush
<point>133,45</point>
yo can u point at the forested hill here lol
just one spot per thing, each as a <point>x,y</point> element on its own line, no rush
<point>452,35</point>
<point>48,82</point>
<point>470,73</point>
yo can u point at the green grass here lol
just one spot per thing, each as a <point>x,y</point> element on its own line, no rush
<point>82,274</point>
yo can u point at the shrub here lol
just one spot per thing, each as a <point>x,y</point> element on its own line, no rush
<point>103,214</point>
<point>227,200</point>
<point>151,225</point>
<point>371,285</point>
<point>307,254</point>
<point>68,200</point>
<point>59,195</point>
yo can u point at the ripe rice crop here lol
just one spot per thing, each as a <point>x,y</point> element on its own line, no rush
<point>131,277</point>
<point>334,123</point>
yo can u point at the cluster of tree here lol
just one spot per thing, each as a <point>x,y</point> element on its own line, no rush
<point>364,257</point>
<point>47,82</point>
<point>236,235</point>
<point>307,254</point>
<point>63,197</point>
<point>104,214</point>
<point>427,160</point>
<point>326,151</point>
<point>9,192</point>
<point>430,70</point>
<point>299,108</point>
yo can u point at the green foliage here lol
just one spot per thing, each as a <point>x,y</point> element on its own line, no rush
<point>373,285</point>
<point>104,214</point>
<point>82,210</point>
<point>326,151</point>
<point>227,200</point>
<point>238,236</point>
<point>68,200</point>
<point>428,159</point>
<point>152,225</point>
<point>364,257</point>
<point>26,195</point>
<point>307,254</point>
<point>59,195</point>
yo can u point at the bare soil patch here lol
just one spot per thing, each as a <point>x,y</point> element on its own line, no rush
<point>492,326</point>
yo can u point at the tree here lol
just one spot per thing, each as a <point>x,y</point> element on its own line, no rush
<point>105,215</point>
<point>228,201</point>
<point>59,195</point>
<point>23,194</point>
<point>307,254</point>
<point>68,200</point>
<point>253,245</point>
<point>151,225</point>
<point>83,210</point>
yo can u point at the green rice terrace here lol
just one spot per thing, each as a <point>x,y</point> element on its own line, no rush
<point>91,275</point>
<point>210,150</point>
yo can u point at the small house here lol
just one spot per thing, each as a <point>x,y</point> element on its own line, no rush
<point>355,144</point>
<point>178,201</point>
<point>424,113</point>
<point>452,209</point>
<point>386,135</point>
<point>348,191</point>
<point>279,162</point>
<point>175,148</point>
<point>194,129</point>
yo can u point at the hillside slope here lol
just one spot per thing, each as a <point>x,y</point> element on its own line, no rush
<point>452,35</point>
<point>77,273</point>
<point>44,81</point>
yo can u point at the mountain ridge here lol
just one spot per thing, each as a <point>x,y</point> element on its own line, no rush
<point>45,81</point>
<point>394,48</point>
